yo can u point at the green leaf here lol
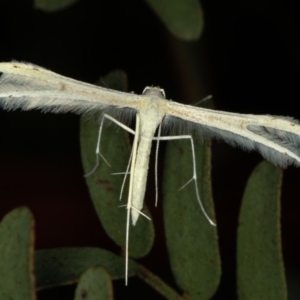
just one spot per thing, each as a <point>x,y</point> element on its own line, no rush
<point>94,284</point>
<point>53,5</point>
<point>192,242</point>
<point>63,266</point>
<point>183,18</point>
<point>260,267</point>
<point>160,286</point>
<point>105,188</point>
<point>17,279</point>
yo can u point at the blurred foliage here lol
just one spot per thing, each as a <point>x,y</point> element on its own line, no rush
<point>53,5</point>
<point>259,254</point>
<point>191,242</point>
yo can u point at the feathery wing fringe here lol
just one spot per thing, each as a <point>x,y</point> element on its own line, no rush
<point>277,139</point>
<point>27,86</point>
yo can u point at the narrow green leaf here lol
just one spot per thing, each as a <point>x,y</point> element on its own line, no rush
<point>191,240</point>
<point>260,267</point>
<point>183,18</point>
<point>160,286</point>
<point>105,188</point>
<point>53,5</point>
<point>17,279</point>
<point>94,284</point>
<point>63,266</point>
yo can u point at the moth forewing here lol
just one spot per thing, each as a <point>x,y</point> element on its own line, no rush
<point>27,86</point>
<point>276,138</point>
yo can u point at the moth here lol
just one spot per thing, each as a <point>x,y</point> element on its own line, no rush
<point>27,86</point>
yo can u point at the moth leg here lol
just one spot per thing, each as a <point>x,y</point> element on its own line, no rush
<point>131,164</point>
<point>194,177</point>
<point>129,202</point>
<point>128,165</point>
<point>125,176</point>
<point>137,210</point>
<point>156,163</point>
<point>97,152</point>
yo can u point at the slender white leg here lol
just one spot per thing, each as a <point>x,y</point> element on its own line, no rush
<point>129,202</point>
<point>98,144</point>
<point>125,176</point>
<point>156,170</point>
<point>156,163</point>
<point>131,164</point>
<point>141,213</point>
<point>168,138</point>
<point>98,153</point>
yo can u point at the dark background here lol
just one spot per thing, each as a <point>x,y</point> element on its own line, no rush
<point>250,58</point>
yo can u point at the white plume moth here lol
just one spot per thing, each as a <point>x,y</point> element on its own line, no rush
<point>27,86</point>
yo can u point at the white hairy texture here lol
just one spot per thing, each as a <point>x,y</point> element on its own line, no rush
<point>276,138</point>
<point>27,86</point>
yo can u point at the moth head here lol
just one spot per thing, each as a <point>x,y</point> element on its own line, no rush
<point>154,91</point>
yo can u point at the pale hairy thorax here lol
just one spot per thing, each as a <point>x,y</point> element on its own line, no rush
<point>27,87</point>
